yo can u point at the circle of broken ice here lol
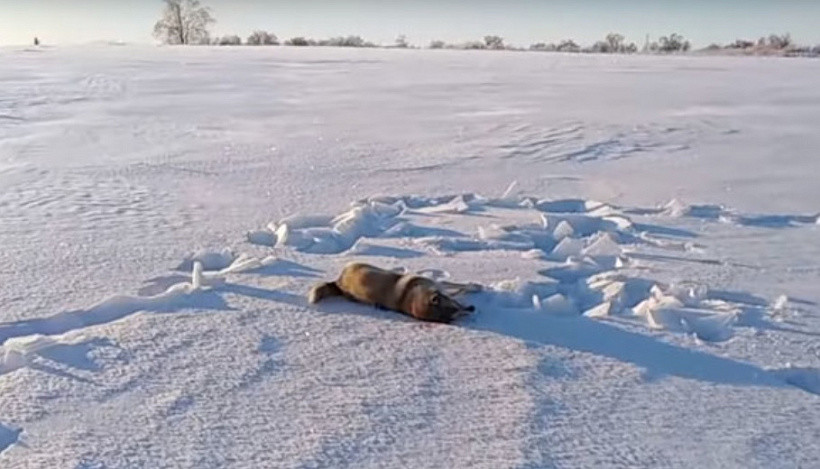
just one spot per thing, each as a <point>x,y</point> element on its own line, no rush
<point>591,242</point>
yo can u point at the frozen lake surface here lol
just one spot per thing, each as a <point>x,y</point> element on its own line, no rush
<point>646,229</point>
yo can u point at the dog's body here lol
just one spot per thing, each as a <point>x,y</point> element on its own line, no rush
<point>416,296</point>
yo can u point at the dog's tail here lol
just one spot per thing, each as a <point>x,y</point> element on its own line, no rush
<point>324,290</point>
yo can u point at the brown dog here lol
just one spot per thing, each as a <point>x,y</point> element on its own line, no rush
<point>416,296</point>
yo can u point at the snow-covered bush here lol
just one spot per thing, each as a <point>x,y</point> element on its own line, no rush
<point>348,41</point>
<point>543,47</point>
<point>297,41</point>
<point>232,40</point>
<point>494,42</point>
<point>568,45</point>
<point>262,38</point>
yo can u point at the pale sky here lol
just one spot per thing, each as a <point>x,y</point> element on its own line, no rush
<point>520,22</point>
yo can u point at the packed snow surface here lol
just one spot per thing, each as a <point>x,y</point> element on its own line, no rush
<point>645,231</point>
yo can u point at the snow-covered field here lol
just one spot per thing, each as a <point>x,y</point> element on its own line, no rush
<point>646,230</point>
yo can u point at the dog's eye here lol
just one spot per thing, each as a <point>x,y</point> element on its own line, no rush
<point>435,300</point>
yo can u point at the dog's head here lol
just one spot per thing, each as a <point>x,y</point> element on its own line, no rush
<point>433,305</point>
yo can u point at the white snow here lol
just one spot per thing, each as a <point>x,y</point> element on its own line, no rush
<point>645,230</point>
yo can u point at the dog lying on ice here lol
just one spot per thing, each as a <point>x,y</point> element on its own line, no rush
<point>414,295</point>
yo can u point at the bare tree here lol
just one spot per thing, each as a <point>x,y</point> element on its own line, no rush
<point>262,38</point>
<point>615,42</point>
<point>184,22</point>
<point>436,44</point>
<point>401,42</point>
<point>673,43</point>
<point>780,42</point>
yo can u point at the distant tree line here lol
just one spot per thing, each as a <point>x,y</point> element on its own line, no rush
<point>187,22</point>
<point>774,44</point>
<point>614,43</point>
<point>340,41</point>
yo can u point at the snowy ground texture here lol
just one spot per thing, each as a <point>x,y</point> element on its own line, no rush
<point>646,229</point>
